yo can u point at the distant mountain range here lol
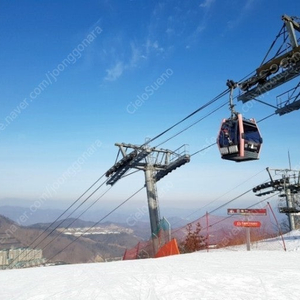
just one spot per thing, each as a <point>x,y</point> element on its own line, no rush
<point>25,216</point>
<point>68,248</point>
<point>45,229</point>
<point>42,229</point>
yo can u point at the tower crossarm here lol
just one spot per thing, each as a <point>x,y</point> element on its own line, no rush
<point>125,160</point>
<point>180,161</point>
<point>288,101</point>
<point>130,160</point>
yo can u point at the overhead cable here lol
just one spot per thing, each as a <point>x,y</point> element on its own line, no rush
<point>95,224</point>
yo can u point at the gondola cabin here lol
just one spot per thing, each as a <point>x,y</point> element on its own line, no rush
<point>239,139</point>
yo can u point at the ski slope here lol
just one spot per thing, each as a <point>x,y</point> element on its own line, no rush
<point>219,274</point>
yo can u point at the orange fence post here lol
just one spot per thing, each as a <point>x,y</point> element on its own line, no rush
<point>284,247</point>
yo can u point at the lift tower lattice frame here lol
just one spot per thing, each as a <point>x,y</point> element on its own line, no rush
<point>288,187</point>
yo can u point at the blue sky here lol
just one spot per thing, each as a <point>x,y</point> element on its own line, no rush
<point>65,100</point>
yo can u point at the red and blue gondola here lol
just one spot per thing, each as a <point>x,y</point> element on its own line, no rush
<point>239,139</point>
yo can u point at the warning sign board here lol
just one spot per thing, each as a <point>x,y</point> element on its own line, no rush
<point>247,223</point>
<point>247,211</point>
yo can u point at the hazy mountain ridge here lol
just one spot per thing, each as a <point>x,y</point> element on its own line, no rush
<point>27,216</point>
<point>87,248</point>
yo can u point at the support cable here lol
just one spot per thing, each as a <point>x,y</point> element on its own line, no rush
<point>53,223</point>
<point>211,202</point>
<point>278,226</point>
<point>95,224</point>
<point>76,219</point>
<point>193,124</point>
<point>246,207</point>
<point>205,148</point>
<point>265,103</point>
<point>187,117</point>
<point>267,117</point>
<point>273,43</point>
<point>53,229</point>
<point>235,198</point>
<point>49,226</point>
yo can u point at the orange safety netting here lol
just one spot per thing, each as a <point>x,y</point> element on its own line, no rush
<point>141,250</point>
<point>170,248</point>
<point>131,253</point>
<point>218,232</point>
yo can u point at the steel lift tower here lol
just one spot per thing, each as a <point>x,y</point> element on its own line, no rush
<point>156,164</point>
<point>288,187</point>
<point>282,67</point>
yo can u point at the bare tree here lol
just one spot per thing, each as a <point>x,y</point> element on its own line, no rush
<point>194,241</point>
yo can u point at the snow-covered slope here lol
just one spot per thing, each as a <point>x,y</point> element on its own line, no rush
<point>220,274</point>
<point>291,242</point>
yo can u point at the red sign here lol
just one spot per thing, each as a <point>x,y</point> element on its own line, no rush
<point>247,211</point>
<point>247,223</point>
